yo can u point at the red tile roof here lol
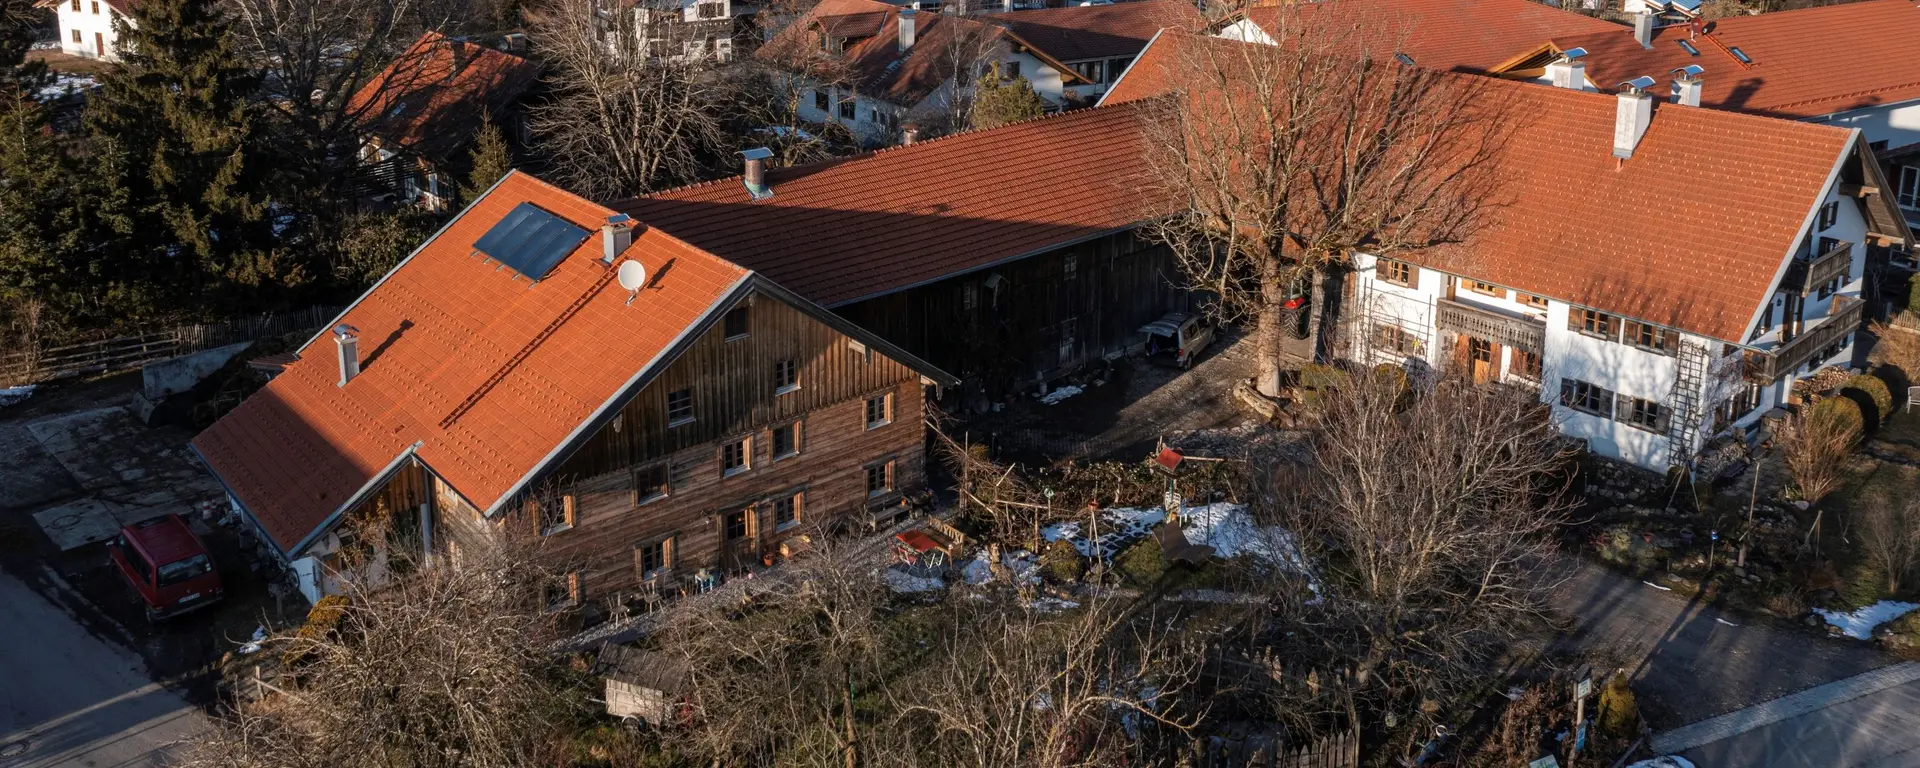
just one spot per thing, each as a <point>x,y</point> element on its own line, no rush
<point>841,231</point>
<point>518,366</point>
<point>424,102</point>
<point>1805,63</point>
<point>1455,35</point>
<point>1690,232</point>
<point>1097,31</point>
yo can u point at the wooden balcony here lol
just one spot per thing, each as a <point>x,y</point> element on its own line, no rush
<point>1838,326</point>
<point>1509,330</point>
<point>1804,275</point>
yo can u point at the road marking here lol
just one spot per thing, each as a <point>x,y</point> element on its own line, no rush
<point>1784,708</point>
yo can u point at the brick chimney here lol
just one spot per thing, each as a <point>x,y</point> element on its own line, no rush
<point>615,236</point>
<point>1569,71</point>
<point>347,338</point>
<point>754,175</point>
<point>907,28</point>
<point>1632,115</point>
<point>1687,84</point>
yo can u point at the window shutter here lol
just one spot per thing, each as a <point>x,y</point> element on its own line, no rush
<point>1573,319</point>
<point>1664,418</point>
<point>1623,404</point>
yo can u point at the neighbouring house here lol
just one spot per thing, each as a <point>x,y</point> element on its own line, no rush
<point>1661,272</point>
<point>1447,35</point>
<point>1848,65</point>
<point>419,115</point>
<point>873,66</point>
<point>545,367</point>
<point>86,26</point>
<point>1007,256</point>
<point>690,29</point>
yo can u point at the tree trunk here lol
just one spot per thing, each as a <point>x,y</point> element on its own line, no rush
<point>1268,329</point>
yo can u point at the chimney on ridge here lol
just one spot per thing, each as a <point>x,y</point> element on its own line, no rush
<point>1630,119</point>
<point>906,28</point>
<point>755,174</point>
<point>1643,29</point>
<point>347,338</point>
<point>909,133</point>
<point>1687,84</point>
<point>615,236</point>
<point>1569,71</point>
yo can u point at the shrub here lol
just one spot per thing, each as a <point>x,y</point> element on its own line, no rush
<point>1842,411</point>
<point>1063,561</point>
<point>1315,376</point>
<point>322,620</point>
<point>1619,711</point>
<point>1143,563</point>
<point>1875,390</point>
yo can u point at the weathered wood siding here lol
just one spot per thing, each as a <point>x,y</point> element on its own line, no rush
<point>1049,313</point>
<point>733,396</point>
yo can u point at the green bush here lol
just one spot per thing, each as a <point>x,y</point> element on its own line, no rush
<point>1875,390</point>
<point>1864,584</point>
<point>1843,411</point>
<point>1063,561</point>
<point>323,620</point>
<point>1143,563</point>
<point>1315,376</point>
<point>1619,711</point>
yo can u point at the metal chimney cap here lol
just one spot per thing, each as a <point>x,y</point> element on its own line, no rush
<point>757,153</point>
<point>1639,84</point>
<point>1690,70</point>
<point>619,220</point>
<point>1573,54</point>
<point>345,331</point>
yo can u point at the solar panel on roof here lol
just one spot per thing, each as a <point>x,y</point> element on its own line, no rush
<point>530,241</point>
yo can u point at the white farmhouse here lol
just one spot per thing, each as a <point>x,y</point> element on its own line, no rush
<point>86,26</point>
<point>1662,273</point>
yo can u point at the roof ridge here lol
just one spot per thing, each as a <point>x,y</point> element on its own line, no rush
<point>873,153</point>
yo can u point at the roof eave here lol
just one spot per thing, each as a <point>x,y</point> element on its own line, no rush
<point>1806,223</point>
<point>366,489</point>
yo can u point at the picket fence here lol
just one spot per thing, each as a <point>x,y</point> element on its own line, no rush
<point>125,353</point>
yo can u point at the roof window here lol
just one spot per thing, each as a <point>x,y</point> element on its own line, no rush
<point>1688,47</point>
<point>1739,54</point>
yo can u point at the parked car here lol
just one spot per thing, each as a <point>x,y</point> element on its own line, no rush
<point>167,566</point>
<point>1177,339</point>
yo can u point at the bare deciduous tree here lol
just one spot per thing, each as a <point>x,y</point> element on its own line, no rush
<point>1815,442</point>
<point>1428,520</point>
<point>448,667</point>
<point>622,120</point>
<point>1281,161</point>
<point>1889,529</point>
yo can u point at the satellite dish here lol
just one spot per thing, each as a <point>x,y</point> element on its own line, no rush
<point>633,275</point>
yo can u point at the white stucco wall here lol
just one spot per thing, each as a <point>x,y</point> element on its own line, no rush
<point>1896,124</point>
<point>94,23</point>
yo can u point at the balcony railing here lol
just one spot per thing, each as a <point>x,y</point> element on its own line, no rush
<point>1804,275</point>
<point>1837,327</point>
<point>1520,332</point>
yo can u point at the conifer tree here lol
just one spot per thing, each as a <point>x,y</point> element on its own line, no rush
<point>490,161</point>
<point>179,135</point>
<point>998,103</point>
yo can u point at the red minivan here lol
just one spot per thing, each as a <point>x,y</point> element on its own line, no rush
<point>166,565</point>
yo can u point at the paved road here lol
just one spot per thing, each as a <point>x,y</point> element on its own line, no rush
<point>74,699</point>
<point>1728,692</point>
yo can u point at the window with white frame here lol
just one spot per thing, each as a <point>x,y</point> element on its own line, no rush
<point>653,558</point>
<point>1396,272</point>
<point>679,407</point>
<point>650,483</point>
<point>786,440</point>
<point>556,515</point>
<point>736,457</point>
<point>880,479</point>
<point>879,410</point>
<point>786,376</point>
<point>1594,323</point>
<point>1909,192</point>
<point>787,510</point>
<point>1650,337</point>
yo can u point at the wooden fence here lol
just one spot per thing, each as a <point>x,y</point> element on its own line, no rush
<point>125,353</point>
<point>1270,750</point>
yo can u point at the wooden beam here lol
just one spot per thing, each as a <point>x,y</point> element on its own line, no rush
<point>1858,190</point>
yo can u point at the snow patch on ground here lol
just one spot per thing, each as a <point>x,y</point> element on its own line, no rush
<point>1060,394</point>
<point>1860,623</point>
<point>11,395</point>
<point>64,85</point>
<point>1668,761</point>
<point>901,581</point>
<point>1232,533</point>
<point>1050,604</point>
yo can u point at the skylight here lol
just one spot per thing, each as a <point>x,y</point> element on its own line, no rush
<point>1688,47</point>
<point>530,241</point>
<point>1740,54</point>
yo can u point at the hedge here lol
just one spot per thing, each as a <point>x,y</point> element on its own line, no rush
<point>1875,390</point>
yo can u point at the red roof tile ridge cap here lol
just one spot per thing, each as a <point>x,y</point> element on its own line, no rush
<point>556,189</point>
<point>1852,94</point>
